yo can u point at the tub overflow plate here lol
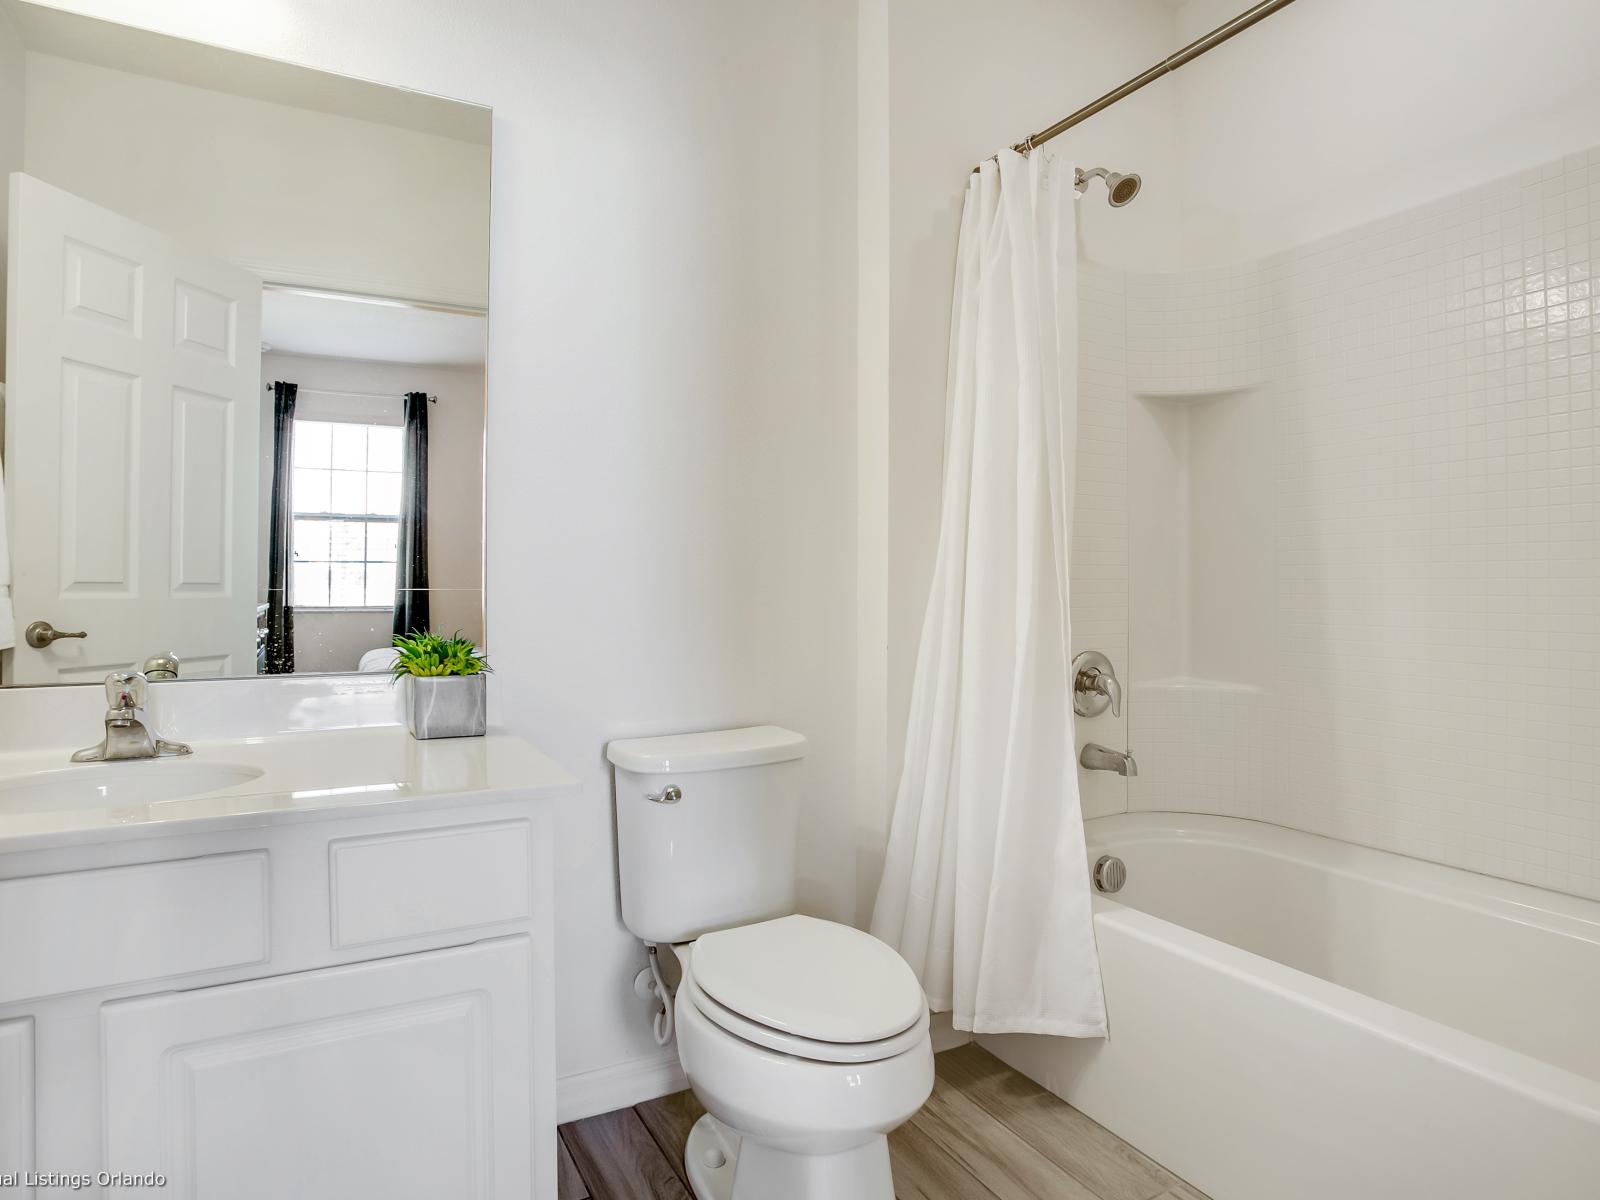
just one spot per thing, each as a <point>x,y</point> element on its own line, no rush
<point>1110,873</point>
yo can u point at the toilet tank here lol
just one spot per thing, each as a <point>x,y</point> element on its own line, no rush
<point>706,828</point>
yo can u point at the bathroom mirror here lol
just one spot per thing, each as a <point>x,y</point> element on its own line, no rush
<point>244,359</point>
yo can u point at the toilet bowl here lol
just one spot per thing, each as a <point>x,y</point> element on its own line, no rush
<point>791,1115</point>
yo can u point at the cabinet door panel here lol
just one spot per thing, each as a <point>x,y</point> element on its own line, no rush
<point>406,1078</point>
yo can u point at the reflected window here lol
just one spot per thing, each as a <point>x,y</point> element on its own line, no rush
<point>345,493</point>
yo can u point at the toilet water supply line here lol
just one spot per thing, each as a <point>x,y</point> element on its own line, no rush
<point>662,1021</point>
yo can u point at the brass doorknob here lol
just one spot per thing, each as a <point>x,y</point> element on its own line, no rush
<point>41,633</point>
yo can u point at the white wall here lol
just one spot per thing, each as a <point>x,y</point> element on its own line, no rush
<point>956,82</point>
<point>336,640</point>
<point>670,452</point>
<point>11,139</point>
<point>1327,115</point>
<point>349,389</point>
<point>295,195</point>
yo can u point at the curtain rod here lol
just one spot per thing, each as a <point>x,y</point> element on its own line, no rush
<point>1165,67</point>
<point>432,397</point>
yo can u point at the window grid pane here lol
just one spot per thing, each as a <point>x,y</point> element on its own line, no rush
<point>345,494</point>
<point>311,443</point>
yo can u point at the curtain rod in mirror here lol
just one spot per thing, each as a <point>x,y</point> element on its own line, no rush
<point>432,399</point>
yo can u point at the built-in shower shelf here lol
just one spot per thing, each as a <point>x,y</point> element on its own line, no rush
<point>1193,683</point>
<point>1187,391</point>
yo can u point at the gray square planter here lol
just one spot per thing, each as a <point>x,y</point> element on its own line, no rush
<point>446,706</point>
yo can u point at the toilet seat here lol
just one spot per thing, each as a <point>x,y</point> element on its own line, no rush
<point>811,1049</point>
<point>810,988</point>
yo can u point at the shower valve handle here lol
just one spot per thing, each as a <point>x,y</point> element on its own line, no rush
<point>1095,686</point>
<point>1108,687</point>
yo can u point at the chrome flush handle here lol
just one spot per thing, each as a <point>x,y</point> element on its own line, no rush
<point>670,794</point>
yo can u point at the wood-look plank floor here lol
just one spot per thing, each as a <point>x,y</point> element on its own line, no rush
<point>986,1133</point>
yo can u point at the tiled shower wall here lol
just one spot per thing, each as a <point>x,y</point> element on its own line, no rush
<point>1099,577</point>
<point>1432,680</point>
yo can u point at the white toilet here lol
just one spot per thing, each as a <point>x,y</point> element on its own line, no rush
<point>807,1041</point>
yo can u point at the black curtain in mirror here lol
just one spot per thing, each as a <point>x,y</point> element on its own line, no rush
<point>279,653</point>
<point>411,559</point>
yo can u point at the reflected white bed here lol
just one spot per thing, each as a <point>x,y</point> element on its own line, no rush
<point>381,659</point>
<point>1293,1016</point>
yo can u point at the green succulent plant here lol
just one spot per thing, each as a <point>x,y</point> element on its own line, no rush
<point>433,654</point>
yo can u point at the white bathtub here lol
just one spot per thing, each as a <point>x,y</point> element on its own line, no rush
<point>1295,1018</point>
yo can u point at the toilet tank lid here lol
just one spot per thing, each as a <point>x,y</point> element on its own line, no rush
<point>716,750</point>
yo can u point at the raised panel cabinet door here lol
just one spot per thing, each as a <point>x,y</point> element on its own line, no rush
<point>133,434</point>
<point>405,1079</point>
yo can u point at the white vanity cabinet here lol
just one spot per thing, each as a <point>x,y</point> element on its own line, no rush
<point>397,1078</point>
<point>326,1005</point>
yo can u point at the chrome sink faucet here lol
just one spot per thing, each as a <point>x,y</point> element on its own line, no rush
<point>126,735</point>
<point>1096,757</point>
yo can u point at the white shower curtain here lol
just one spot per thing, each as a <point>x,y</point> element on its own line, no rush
<point>985,890</point>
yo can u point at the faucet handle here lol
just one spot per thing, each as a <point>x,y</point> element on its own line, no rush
<point>161,666</point>
<point>1095,685</point>
<point>125,693</point>
<point>1108,686</point>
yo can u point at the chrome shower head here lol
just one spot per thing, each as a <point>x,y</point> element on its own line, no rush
<point>1120,189</point>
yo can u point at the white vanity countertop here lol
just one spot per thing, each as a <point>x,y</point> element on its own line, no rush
<point>297,776</point>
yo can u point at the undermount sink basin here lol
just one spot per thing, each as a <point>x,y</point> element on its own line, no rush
<point>102,785</point>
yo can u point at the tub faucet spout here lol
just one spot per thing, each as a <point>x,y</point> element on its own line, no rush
<point>1096,757</point>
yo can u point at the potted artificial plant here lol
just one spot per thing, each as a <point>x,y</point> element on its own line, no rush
<point>445,682</point>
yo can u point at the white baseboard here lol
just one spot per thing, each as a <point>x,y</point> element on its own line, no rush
<point>620,1085</point>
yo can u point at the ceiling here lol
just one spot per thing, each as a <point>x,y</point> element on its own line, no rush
<point>335,325</point>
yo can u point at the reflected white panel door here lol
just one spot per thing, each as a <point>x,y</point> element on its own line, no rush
<point>407,1079</point>
<point>132,443</point>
